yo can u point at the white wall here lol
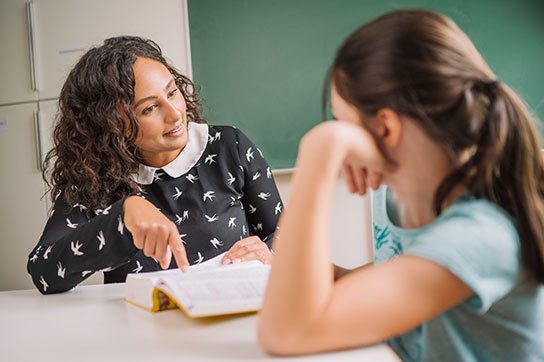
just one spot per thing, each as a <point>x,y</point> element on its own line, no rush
<point>351,232</point>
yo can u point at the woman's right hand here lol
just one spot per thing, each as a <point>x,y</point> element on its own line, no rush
<point>154,233</point>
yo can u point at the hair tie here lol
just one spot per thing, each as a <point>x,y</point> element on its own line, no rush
<point>491,84</point>
<point>486,86</point>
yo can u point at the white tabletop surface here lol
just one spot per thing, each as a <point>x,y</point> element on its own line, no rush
<point>94,323</point>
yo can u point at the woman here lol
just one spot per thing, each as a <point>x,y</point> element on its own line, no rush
<point>139,176</point>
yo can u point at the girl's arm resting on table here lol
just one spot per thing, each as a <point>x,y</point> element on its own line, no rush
<point>73,246</point>
<point>304,310</point>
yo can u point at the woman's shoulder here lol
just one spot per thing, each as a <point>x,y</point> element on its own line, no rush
<point>224,132</point>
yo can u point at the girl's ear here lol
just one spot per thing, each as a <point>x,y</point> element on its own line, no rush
<point>389,127</point>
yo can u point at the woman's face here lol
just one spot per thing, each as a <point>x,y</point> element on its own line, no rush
<point>160,109</point>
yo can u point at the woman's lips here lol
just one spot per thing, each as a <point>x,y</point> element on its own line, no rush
<point>176,131</point>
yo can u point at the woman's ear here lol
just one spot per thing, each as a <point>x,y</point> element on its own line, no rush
<point>389,127</point>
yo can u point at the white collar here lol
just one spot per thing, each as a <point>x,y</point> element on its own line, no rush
<point>187,158</point>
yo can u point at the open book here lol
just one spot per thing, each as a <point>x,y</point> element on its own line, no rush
<point>207,289</point>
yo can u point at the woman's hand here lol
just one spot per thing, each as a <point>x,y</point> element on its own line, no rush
<point>154,233</point>
<point>250,248</point>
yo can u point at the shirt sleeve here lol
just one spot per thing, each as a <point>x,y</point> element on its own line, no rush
<point>74,245</point>
<point>261,200</point>
<point>480,245</point>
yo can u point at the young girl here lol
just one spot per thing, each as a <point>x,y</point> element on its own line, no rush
<point>458,221</point>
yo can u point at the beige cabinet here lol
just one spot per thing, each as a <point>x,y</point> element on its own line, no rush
<point>65,29</point>
<point>15,73</point>
<point>23,211</point>
<point>40,41</point>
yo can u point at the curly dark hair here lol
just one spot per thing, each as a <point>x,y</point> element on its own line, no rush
<point>94,154</point>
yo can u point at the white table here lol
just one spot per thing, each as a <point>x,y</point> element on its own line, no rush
<point>94,323</point>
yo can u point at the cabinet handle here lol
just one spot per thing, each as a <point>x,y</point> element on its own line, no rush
<point>38,137</point>
<point>31,47</point>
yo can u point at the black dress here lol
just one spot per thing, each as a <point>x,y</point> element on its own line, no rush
<point>218,190</point>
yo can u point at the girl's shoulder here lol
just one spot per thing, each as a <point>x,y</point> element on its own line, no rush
<point>480,213</point>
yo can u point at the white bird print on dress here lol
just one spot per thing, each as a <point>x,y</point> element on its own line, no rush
<point>268,172</point>
<point>210,139</point>
<point>264,195</point>
<point>277,210</point>
<point>191,178</point>
<point>256,176</point>
<point>81,207</point>
<point>181,236</point>
<point>139,267</point>
<point>217,136</point>
<point>258,227</point>
<point>200,258</point>
<point>75,248</point>
<point>102,240</point>
<point>210,158</point>
<point>157,176</point>
<point>208,195</point>
<point>232,201</point>
<point>60,270</point>
<point>232,225</point>
<point>70,224</point>
<point>85,272</point>
<point>34,257</point>
<point>51,213</point>
<point>231,179</point>
<point>211,218</point>
<point>260,153</point>
<point>249,154</point>
<point>47,251</point>
<point>42,281</point>
<point>177,194</point>
<point>178,219</point>
<point>216,242</point>
<point>106,211</point>
<point>252,209</point>
<point>120,226</point>
<point>244,230</point>
<point>185,215</point>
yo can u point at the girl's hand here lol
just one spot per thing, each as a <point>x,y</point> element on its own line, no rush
<point>154,233</point>
<point>349,147</point>
<point>250,248</point>
<point>358,179</point>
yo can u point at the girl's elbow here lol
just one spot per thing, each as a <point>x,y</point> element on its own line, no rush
<point>278,341</point>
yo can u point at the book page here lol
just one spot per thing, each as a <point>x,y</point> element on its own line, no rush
<point>226,289</point>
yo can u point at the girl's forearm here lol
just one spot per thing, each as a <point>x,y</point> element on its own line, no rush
<point>302,250</point>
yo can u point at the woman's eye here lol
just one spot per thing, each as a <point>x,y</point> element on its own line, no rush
<point>172,92</point>
<point>148,109</point>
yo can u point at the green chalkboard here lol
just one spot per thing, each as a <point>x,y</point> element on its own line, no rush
<point>261,63</point>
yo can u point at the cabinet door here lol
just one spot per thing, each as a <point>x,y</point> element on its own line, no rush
<point>47,118</point>
<point>15,70</point>
<point>65,29</point>
<point>23,211</point>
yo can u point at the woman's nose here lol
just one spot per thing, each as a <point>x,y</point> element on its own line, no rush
<point>173,112</point>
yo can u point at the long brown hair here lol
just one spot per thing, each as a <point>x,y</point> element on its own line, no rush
<point>422,65</point>
<point>94,154</point>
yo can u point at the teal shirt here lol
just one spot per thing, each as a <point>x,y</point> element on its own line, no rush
<point>478,242</point>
